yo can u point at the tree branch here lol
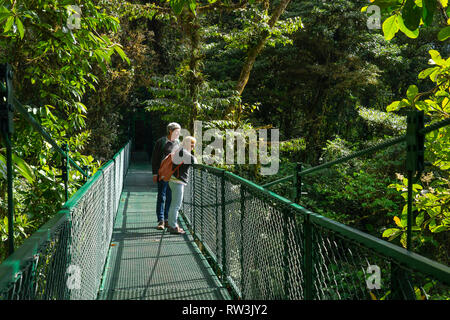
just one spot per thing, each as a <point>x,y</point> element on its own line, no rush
<point>256,50</point>
<point>221,6</point>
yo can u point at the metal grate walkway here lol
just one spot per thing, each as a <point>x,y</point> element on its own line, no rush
<point>149,264</point>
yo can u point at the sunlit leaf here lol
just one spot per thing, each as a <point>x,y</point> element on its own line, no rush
<point>390,27</point>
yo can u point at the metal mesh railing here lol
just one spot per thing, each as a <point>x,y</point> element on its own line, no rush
<point>263,246</point>
<point>65,258</point>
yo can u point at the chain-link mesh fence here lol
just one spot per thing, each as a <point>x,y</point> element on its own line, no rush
<point>264,246</point>
<point>65,258</point>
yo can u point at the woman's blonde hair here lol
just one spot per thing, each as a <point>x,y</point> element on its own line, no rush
<point>188,141</point>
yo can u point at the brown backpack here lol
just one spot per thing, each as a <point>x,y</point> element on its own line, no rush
<point>165,170</point>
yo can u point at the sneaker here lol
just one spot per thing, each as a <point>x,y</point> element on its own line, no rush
<point>160,225</point>
<point>166,224</point>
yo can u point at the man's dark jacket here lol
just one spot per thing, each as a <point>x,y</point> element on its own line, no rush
<point>163,147</point>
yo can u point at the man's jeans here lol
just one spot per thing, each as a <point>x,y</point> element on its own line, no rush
<point>163,201</point>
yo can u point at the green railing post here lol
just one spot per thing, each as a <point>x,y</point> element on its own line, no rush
<point>85,169</point>
<point>241,249</point>
<point>224,234</point>
<point>401,279</point>
<point>414,162</point>
<point>66,171</point>
<point>286,250</point>
<point>297,179</point>
<point>7,129</point>
<point>299,183</point>
<point>409,210</point>
<point>217,228</point>
<point>295,183</point>
<point>194,183</point>
<point>308,258</point>
<point>201,206</point>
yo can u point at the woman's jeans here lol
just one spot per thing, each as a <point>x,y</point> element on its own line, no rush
<point>163,201</point>
<point>175,205</point>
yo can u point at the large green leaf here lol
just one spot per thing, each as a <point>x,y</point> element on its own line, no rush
<point>9,23</point>
<point>436,57</point>
<point>193,6</point>
<point>412,92</point>
<point>20,27</point>
<point>427,72</point>
<point>429,7</point>
<point>177,6</point>
<point>394,106</point>
<point>444,33</point>
<point>4,13</point>
<point>390,27</point>
<point>122,54</point>
<point>21,166</point>
<point>411,14</point>
<point>411,33</point>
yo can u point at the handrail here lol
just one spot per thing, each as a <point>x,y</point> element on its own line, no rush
<point>304,230</point>
<point>326,165</point>
<point>377,147</point>
<point>425,265</point>
<point>9,103</point>
<point>415,140</point>
<point>19,107</point>
<point>18,271</point>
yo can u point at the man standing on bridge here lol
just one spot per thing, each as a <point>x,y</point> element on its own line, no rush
<point>163,147</point>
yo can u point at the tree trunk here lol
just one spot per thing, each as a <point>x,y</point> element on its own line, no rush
<point>256,50</point>
<point>191,29</point>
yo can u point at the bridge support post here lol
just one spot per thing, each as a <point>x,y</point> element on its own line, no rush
<point>414,162</point>
<point>224,233</point>
<point>201,208</point>
<point>66,171</point>
<point>7,129</point>
<point>297,182</point>
<point>194,184</point>
<point>308,259</point>
<point>287,223</point>
<point>242,246</point>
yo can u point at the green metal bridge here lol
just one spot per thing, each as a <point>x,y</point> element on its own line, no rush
<point>243,241</point>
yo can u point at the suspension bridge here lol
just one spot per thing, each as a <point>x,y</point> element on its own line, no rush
<point>243,241</point>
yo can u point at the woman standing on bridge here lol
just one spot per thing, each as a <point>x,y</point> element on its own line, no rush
<point>179,180</point>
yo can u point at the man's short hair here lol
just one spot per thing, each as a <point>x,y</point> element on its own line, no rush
<point>172,126</point>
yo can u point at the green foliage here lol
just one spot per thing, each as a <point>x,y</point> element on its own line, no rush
<point>383,123</point>
<point>170,95</point>
<point>432,198</point>
<point>290,149</point>
<point>354,193</point>
<point>250,24</point>
<point>55,66</point>
<point>22,226</point>
<point>407,16</point>
<point>444,34</point>
<point>310,89</point>
<point>21,166</point>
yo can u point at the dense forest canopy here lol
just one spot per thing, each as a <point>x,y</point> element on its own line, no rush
<point>319,71</point>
